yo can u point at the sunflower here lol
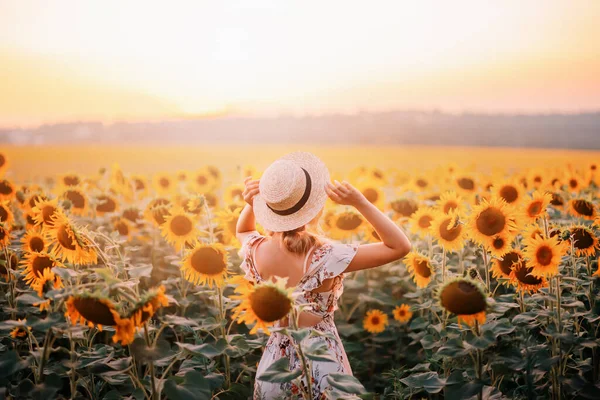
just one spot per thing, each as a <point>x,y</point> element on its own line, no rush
<point>466,184</point>
<point>346,223</point>
<point>19,331</point>
<point>509,191</point>
<point>371,235</point>
<point>132,214</point>
<point>372,192</point>
<point>536,178</point>
<point>248,170</point>
<point>419,184</point>
<point>193,204</point>
<point>557,201</point>
<point>212,200</point>
<point>597,273</point>
<point>179,228</point>
<point>34,240</point>
<point>6,215</point>
<point>421,220</point>
<point>582,208</point>
<point>234,193</point>
<point>78,199</point>
<point>419,267</point>
<point>4,235</point>
<point>574,183</point>
<point>585,242</point>
<point>402,313</point>
<point>375,321</point>
<point>12,262</point>
<point>206,264</point>
<point>490,219</point>
<point>69,180</point>
<point>105,204</point>
<point>7,190</point>
<point>502,267</point>
<point>140,186</point>
<point>532,231</point>
<point>465,298</point>
<point>96,310</point>
<point>521,276</point>
<point>148,305</point>
<point>32,200</point>
<point>404,207</point>
<point>35,263</point>
<point>227,220</point>
<point>47,276</point>
<point>544,255</point>
<point>163,183</point>
<point>263,304</point>
<point>3,163</point>
<point>450,201</point>
<point>449,231</point>
<point>122,226</point>
<point>202,181</point>
<point>44,212</point>
<point>536,204</point>
<point>69,244</point>
<point>498,245</point>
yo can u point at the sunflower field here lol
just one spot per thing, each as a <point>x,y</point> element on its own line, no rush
<point>120,283</point>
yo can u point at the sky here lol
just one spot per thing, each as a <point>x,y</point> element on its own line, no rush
<point>110,61</point>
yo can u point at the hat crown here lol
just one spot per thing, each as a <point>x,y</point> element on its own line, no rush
<point>282,184</point>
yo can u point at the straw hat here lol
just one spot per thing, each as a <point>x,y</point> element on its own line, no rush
<point>291,192</point>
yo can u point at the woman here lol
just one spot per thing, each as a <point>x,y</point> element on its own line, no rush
<point>288,201</point>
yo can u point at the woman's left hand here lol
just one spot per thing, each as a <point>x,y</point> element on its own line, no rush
<point>251,190</point>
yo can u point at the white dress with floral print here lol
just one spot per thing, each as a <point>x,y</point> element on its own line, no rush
<point>328,261</point>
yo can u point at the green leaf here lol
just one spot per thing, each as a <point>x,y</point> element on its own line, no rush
<point>178,321</point>
<point>142,270</point>
<point>346,383</point>
<point>207,350</point>
<point>279,372</point>
<point>426,380</point>
<point>10,362</point>
<point>194,386</point>
<point>300,334</point>
<point>318,351</point>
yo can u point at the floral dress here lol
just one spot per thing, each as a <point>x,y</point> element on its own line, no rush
<point>328,261</point>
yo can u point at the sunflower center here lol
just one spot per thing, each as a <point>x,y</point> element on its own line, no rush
<point>425,221</point>
<point>122,228</point>
<point>139,184</point>
<point>509,193</point>
<point>269,304</point>
<point>522,272</point>
<point>236,193</point>
<point>371,195</point>
<point>557,200</point>
<point>466,183</point>
<point>75,198</point>
<point>583,207</point>
<point>208,261</point>
<point>348,222</point>
<point>375,320</point>
<point>106,204</point>
<point>36,243</point>
<point>583,238</point>
<point>160,214</point>
<point>491,221</point>
<point>573,183</point>
<point>404,207</point>
<point>211,199</point>
<point>201,179</point>
<point>94,310</point>
<point>181,225</point>
<point>40,263</point>
<point>534,208</point>
<point>131,214</point>
<point>71,180</point>
<point>449,233</point>
<point>2,160</point>
<point>449,206</point>
<point>498,243</point>
<point>164,182</point>
<point>5,187</point>
<point>64,238</point>
<point>3,214</point>
<point>47,213</point>
<point>507,262</point>
<point>544,255</point>
<point>537,179</point>
<point>422,183</point>
<point>422,268</point>
<point>401,312</point>
<point>462,298</point>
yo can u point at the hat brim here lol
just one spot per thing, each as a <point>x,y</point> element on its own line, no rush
<point>319,175</point>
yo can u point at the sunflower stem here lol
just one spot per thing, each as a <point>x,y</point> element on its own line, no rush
<point>224,335</point>
<point>487,272</point>
<point>152,377</point>
<point>305,365</point>
<point>443,264</point>
<point>478,363</point>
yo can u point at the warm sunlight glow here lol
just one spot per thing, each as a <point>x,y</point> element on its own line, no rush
<point>114,60</point>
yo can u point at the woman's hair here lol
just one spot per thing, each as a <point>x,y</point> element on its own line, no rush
<point>299,240</point>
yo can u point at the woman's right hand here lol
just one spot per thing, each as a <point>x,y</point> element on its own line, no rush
<point>345,194</point>
<point>251,190</point>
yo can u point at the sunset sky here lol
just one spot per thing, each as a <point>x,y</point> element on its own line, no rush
<point>127,60</point>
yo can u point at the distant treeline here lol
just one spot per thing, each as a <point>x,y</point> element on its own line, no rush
<point>578,131</point>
